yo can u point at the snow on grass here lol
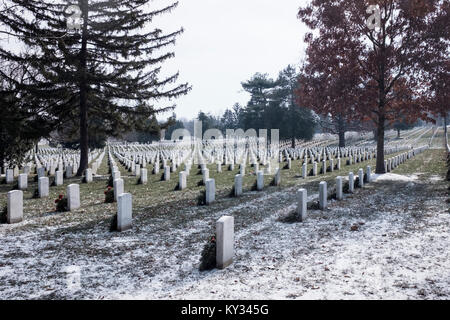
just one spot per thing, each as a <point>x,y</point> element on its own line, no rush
<point>394,177</point>
<point>436,178</point>
<point>398,249</point>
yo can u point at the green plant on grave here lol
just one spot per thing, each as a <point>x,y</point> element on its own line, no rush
<point>201,199</point>
<point>113,225</point>
<point>110,181</point>
<point>332,194</point>
<point>36,194</point>
<point>15,186</point>
<point>109,195</point>
<point>232,192</point>
<point>62,204</point>
<point>313,205</point>
<point>3,215</point>
<point>208,255</point>
<point>346,188</point>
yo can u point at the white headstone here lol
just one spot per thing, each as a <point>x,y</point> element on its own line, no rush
<point>242,169</point>
<point>368,174</point>
<point>339,191</point>
<point>27,169</point>
<point>302,198</point>
<point>210,191</point>
<point>323,196</point>
<point>9,176</point>
<point>88,175</point>
<point>69,172</point>
<point>40,172</point>
<point>238,185</point>
<point>59,178</point>
<point>224,241</point>
<point>182,180</point>
<point>156,168</point>
<point>15,207</point>
<point>277,178</point>
<point>351,182</point>
<point>118,188</point>
<point>260,181</point>
<point>166,173</point>
<point>205,175</point>
<point>304,171</point>
<point>73,196</point>
<point>144,176</point>
<point>43,187</point>
<point>124,212</point>
<point>23,181</point>
<point>137,170</point>
<point>361,178</point>
<point>116,174</point>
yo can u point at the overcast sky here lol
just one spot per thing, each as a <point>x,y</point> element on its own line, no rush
<point>225,42</point>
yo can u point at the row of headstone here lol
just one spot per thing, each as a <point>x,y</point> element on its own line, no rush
<point>15,200</point>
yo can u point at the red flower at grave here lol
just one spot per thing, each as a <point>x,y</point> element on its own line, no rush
<point>61,196</point>
<point>57,200</point>
<point>213,239</point>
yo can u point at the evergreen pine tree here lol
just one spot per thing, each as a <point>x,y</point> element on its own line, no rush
<point>108,69</point>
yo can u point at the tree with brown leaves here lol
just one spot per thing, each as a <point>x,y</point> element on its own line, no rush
<point>364,58</point>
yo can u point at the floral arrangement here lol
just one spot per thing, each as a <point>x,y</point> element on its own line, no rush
<point>208,257</point>
<point>61,204</point>
<point>109,195</point>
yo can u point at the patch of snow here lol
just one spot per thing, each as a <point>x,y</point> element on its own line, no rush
<point>393,177</point>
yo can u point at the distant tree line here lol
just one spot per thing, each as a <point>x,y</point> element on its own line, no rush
<point>272,105</point>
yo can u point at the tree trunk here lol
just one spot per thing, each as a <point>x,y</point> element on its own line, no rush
<point>341,131</point>
<point>84,149</point>
<point>293,143</point>
<point>2,163</point>
<point>380,146</point>
<point>398,133</point>
<point>341,138</point>
<point>445,132</point>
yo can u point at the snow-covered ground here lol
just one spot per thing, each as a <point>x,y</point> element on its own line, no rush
<point>389,240</point>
